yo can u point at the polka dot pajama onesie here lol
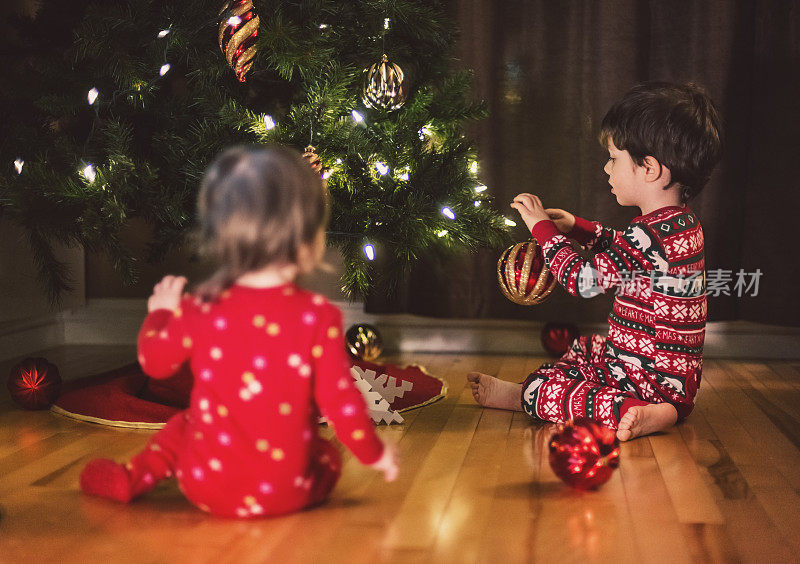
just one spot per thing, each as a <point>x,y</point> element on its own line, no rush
<point>266,362</point>
<point>653,351</point>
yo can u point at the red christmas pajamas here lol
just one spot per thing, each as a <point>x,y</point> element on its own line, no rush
<point>653,352</point>
<point>266,363</point>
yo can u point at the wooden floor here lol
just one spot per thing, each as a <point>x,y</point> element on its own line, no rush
<point>475,486</point>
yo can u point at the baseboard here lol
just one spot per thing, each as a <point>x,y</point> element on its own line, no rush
<point>117,322</point>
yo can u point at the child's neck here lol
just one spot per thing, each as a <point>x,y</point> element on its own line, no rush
<point>660,200</point>
<point>269,276</point>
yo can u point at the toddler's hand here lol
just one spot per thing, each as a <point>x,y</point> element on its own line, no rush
<point>530,208</point>
<point>167,294</point>
<point>564,220</point>
<point>387,463</point>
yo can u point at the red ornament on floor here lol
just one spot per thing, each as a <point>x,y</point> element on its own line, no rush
<point>584,453</point>
<point>34,383</point>
<point>557,337</point>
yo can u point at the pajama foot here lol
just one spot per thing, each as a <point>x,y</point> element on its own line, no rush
<point>106,478</point>
<point>493,392</point>
<point>642,420</point>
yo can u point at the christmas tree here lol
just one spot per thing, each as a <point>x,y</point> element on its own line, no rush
<point>123,122</point>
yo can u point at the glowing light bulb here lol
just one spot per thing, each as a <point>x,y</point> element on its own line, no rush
<point>386,22</point>
<point>92,95</point>
<point>327,174</point>
<point>448,213</point>
<point>164,69</point>
<point>481,188</point>
<point>269,123</point>
<point>442,233</point>
<point>323,26</point>
<point>163,33</point>
<point>338,161</point>
<point>234,20</point>
<point>369,251</point>
<point>473,168</point>
<point>477,203</point>
<point>404,176</point>
<point>381,168</point>
<point>89,173</point>
<point>423,132</point>
<point>357,117</point>
<point>18,165</point>
<point>510,223</point>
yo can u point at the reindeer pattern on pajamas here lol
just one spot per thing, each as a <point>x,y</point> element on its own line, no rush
<point>653,351</point>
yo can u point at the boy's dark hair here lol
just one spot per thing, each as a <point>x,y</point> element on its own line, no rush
<point>677,124</point>
<point>257,206</point>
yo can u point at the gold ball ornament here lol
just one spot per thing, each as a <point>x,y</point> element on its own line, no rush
<point>384,85</point>
<point>238,31</point>
<point>363,341</point>
<point>522,274</point>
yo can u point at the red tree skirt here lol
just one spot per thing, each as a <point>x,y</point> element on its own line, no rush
<point>126,397</point>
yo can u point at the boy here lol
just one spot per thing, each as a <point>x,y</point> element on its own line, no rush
<point>663,142</point>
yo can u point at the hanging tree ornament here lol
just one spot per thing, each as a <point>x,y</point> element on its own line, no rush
<point>238,30</point>
<point>384,85</point>
<point>522,274</point>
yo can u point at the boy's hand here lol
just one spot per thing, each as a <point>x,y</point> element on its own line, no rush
<point>564,220</point>
<point>530,208</point>
<point>387,463</point>
<point>167,294</point>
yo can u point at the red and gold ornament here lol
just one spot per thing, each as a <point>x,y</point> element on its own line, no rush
<point>523,277</point>
<point>34,383</point>
<point>238,31</point>
<point>557,337</point>
<point>584,453</point>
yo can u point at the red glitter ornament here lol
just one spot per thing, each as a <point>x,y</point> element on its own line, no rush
<point>523,277</point>
<point>557,337</point>
<point>584,453</point>
<point>34,383</point>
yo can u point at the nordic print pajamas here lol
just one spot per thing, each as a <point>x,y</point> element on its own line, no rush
<point>653,352</point>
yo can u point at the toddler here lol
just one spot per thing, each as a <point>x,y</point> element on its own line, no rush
<point>266,356</point>
<point>663,142</point>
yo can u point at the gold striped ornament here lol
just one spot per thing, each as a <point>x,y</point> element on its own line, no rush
<point>384,85</point>
<point>238,31</point>
<point>522,274</point>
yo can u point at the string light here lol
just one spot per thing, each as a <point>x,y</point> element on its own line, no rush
<point>234,20</point>
<point>357,117</point>
<point>448,213</point>
<point>477,203</point>
<point>323,26</point>
<point>338,161</point>
<point>510,223</point>
<point>386,22</point>
<point>381,168</point>
<point>89,173</point>
<point>369,251</point>
<point>327,174</point>
<point>18,165</point>
<point>164,69</point>
<point>92,95</point>
<point>423,132</point>
<point>473,168</point>
<point>269,123</point>
<point>442,233</point>
<point>163,33</point>
<point>481,188</point>
<point>405,176</point>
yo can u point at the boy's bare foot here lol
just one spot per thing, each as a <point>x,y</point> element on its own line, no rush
<point>645,419</point>
<point>493,392</point>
